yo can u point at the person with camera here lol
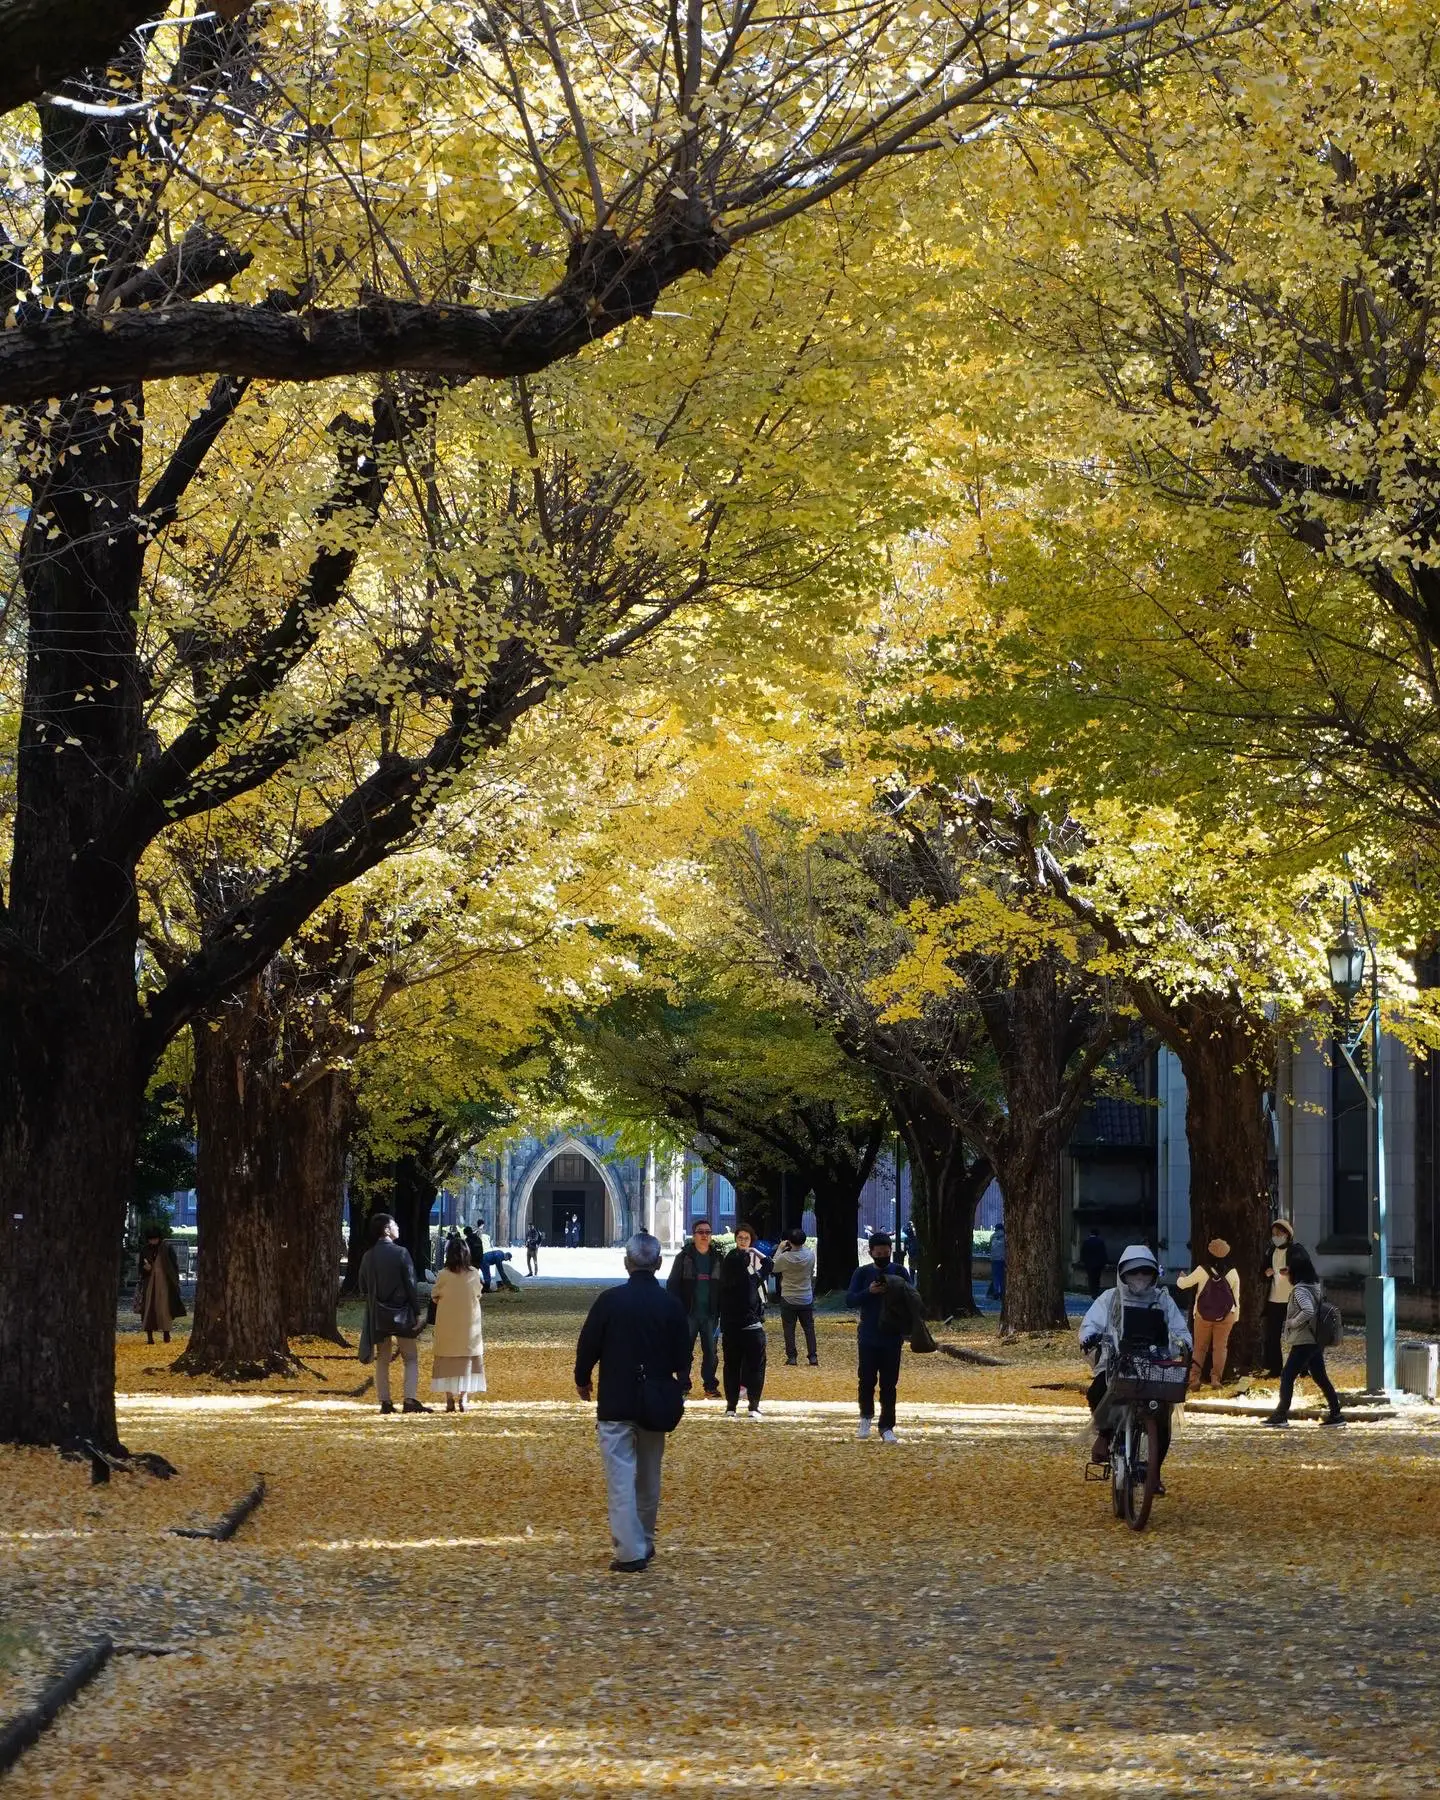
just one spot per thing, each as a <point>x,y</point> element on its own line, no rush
<point>795,1265</point>
<point>639,1336</point>
<point>743,1275</point>
<point>694,1280</point>
<point>392,1307</point>
<point>880,1339</point>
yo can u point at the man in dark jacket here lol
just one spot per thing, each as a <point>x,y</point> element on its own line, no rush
<point>880,1342</point>
<point>694,1280</point>
<point>387,1286</point>
<point>1093,1258</point>
<point>637,1334</point>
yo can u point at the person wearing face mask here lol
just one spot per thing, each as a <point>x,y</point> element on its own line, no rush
<point>880,1340</point>
<point>1278,1289</point>
<point>1137,1286</point>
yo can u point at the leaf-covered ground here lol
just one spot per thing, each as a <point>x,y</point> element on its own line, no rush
<point>422,1607</point>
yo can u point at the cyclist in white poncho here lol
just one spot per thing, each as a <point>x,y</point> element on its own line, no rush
<point>1137,1285</point>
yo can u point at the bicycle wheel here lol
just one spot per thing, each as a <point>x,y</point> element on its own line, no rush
<point>1118,1468</point>
<point>1144,1478</point>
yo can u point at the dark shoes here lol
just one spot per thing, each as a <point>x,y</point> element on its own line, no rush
<point>629,1568</point>
<point>713,1394</point>
<point>1333,1418</point>
<point>1100,1449</point>
<point>417,1406</point>
<point>792,1362</point>
<point>388,1406</point>
<point>814,1362</point>
<point>1276,1419</point>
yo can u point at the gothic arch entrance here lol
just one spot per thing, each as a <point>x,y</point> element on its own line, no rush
<point>567,1185</point>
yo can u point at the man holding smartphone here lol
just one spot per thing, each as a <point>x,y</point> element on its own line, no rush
<point>880,1342</point>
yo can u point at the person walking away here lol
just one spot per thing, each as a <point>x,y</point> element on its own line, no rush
<point>1217,1310</point>
<point>532,1251</point>
<point>458,1367</point>
<point>475,1244</point>
<point>694,1280</point>
<point>638,1335</point>
<point>157,1286</point>
<point>743,1275</point>
<point>997,1262</point>
<point>1093,1258</point>
<point>1277,1293</point>
<point>794,1263</point>
<point>1303,1352</point>
<point>1137,1284</point>
<point>879,1342</point>
<point>392,1303</point>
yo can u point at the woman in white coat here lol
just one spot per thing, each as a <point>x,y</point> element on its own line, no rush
<point>459,1361</point>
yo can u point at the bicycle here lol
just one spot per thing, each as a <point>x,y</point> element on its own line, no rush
<point>1139,1386</point>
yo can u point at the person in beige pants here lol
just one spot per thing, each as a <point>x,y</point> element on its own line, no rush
<point>1217,1307</point>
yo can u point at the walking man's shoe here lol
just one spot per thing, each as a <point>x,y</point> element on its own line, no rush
<point>388,1406</point>
<point>417,1406</point>
<point>792,1362</point>
<point>888,1437</point>
<point>1275,1419</point>
<point>864,1431</point>
<point>1333,1418</point>
<point>814,1362</point>
<point>629,1568</point>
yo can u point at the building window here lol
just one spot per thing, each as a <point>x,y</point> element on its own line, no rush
<point>1349,1136</point>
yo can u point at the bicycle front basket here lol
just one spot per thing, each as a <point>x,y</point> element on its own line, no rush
<point>1139,1378</point>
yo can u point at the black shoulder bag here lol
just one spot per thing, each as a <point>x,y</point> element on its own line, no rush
<point>660,1402</point>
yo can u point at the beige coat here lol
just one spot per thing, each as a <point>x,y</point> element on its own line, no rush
<point>457,1313</point>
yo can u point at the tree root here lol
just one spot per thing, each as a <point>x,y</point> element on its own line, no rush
<point>102,1461</point>
<point>194,1362</point>
<point>229,1522</point>
<point>974,1356</point>
<point>23,1730</point>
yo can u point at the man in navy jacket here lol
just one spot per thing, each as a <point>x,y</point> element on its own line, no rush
<point>635,1332</point>
<point>880,1343</point>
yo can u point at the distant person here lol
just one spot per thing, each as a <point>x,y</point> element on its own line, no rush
<point>1217,1310</point>
<point>879,1341</point>
<point>459,1359</point>
<point>794,1263</point>
<point>532,1251</point>
<point>392,1306</point>
<point>157,1286</point>
<point>743,1275</point>
<point>910,1248</point>
<point>1277,1293</point>
<point>997,1262</point>
<point>694,1280</point>
<point>475,1244</point>
<point>1093,1258</point>
<point>1303,1352</point>
<point>638,1336</point>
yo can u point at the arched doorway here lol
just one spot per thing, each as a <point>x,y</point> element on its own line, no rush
<point>568,1187</point>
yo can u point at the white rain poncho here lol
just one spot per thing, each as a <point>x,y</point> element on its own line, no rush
<point>1100,1328</point>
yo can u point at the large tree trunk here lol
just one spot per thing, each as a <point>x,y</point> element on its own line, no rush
<point>1225,1056</point>
<point>415,1191</point>
<point>239,1331</point>
<point>947,1183</point>
<point>837,1216</point>
<point>70,1075</point>
<point>1026,1149</point>
<point>315,1134</point>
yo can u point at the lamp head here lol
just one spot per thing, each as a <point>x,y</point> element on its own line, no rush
<point>1347,957</point>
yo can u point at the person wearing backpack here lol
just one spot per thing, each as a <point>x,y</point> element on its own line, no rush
<point>1217,1310</point>
<point>1311,1323</point>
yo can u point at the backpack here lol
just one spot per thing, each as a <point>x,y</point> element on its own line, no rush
<point>1217,1299</point>
<point>1329,1326</point>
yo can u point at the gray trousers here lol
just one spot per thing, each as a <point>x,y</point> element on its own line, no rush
<point>409,1357</point>
<point>632,1481</point>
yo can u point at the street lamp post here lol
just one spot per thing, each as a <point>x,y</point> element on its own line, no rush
<point>1350,960</point>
